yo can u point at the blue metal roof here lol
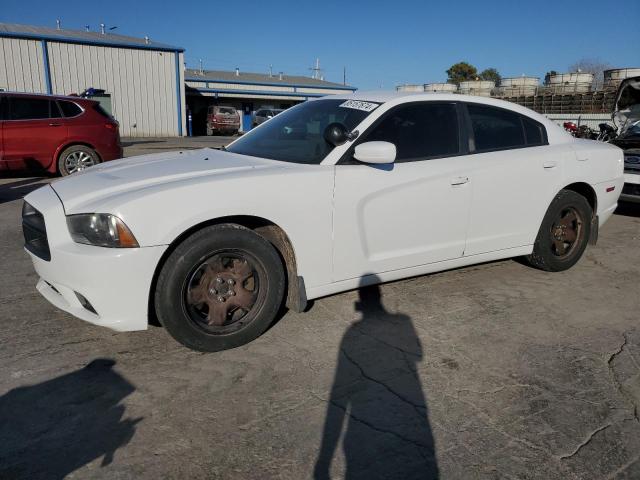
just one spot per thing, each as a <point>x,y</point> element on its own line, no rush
<point>13,30</point>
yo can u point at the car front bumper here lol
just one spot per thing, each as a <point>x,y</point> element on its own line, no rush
<point>109,287</point>
<point>631,189</point>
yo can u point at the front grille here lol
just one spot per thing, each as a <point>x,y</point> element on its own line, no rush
<point>35,232</point>
<point>631,189</point>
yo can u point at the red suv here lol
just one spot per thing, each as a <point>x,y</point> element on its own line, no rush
<point>62,135</point>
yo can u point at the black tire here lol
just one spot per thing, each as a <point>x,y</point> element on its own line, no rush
<point>187,299</point>
<point>76,158</point>
<point>555,248</point>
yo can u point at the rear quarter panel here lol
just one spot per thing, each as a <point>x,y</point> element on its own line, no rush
<point>601,165</point>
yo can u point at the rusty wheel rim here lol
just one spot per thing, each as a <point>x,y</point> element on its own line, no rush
<point>222,291</point>
<point>566,232</point>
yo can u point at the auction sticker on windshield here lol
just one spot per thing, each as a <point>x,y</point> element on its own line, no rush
<point>359,105</point>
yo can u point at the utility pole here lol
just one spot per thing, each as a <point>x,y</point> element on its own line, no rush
<point>344,75</point>
<point>201,70</point>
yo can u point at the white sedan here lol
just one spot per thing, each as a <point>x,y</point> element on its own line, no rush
<point>328,196</point>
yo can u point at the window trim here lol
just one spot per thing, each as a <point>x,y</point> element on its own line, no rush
<point>347,156</point>
<point>471,134</point>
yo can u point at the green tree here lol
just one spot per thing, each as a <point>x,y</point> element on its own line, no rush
<point>491,74</point>
<point>461,72</point>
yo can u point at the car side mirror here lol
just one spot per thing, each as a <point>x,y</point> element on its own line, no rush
<point>375,152</point>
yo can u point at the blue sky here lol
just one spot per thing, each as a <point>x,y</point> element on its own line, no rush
<point>379,43</point>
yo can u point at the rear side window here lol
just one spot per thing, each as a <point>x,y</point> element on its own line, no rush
<point>495,128</point>
<point>98,108</point>
<point>69,109</point>
<point>29,108</point>
<point>420,131</point>
<point>534,132</point>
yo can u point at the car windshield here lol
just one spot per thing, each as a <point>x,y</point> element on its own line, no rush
<point>296,135</point>
<point>227,111</point>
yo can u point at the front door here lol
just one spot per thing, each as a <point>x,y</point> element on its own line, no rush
<point>409,213</point>
<point>32,132</point>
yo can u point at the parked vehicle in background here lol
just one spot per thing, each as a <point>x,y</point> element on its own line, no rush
<point>626,116</point>
<point>265,114</point>
<point>222,120</point>
<point>331,195</point>
<point>59,134</point>
<point>607,132</point>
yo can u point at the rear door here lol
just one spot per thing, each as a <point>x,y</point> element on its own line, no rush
<point>32,132</point>
<point>514,173</point>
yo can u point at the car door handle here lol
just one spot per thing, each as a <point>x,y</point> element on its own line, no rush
<point>55,124</point>
<point>459,180</point>
<point>550,164</point>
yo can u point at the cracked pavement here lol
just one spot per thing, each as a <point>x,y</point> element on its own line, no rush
<point>488,372</point>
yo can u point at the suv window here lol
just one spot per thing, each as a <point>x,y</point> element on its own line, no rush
<point>29,108</point>
<point>495,128</point>
<point>69,109</point>
<point>420,131</point>
<point>227,111</point>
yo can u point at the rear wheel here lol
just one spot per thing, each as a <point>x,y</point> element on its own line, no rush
<point>221,288</point>
<point>564,233</point>
<point>77,158</point>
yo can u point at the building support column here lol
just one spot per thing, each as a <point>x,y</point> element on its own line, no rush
<point>178,95</point>
<point>47,69</point>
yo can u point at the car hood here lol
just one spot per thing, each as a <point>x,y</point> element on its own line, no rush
<point>119,177</point>
<point>626,110</point>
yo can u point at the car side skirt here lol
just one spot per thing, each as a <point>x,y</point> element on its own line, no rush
<point>371,279</point>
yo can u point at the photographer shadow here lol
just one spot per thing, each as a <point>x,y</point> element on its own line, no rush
<point>378,394</point>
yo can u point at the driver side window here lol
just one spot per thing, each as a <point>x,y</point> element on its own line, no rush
<point>419,131</point>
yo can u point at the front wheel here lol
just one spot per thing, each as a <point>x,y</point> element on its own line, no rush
<point>219,289</point>
<point>564,233</point>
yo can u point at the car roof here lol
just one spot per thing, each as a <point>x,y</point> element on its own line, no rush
<point>381,96</point>
<point>45,95</point>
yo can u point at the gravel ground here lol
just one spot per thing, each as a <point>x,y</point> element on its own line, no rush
<point>492,371</point>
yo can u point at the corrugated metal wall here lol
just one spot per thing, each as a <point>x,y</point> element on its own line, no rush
<point>21,66</point>
<point>142,84</point>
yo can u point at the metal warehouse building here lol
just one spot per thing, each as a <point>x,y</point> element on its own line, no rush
<point>143,80</point>
<point>248,92</point>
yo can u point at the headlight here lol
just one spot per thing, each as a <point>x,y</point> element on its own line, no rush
<point>100,229</point>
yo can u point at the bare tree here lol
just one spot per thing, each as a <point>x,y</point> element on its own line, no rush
<point>594,66</point>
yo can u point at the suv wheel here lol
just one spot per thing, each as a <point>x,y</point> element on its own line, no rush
<point>564,233</point>
<point>76,158</point>
<point>220,288</point>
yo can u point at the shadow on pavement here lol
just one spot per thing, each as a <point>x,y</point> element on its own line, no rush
<point>18,189</point>
<point>628,209</point>
<point>378,394</point>
<point>53,428</point>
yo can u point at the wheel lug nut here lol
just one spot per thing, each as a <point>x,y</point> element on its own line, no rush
<point>213,291</point>
<point>230,281</point>
<point>221,298</point>
<point>219,280</point>
<point>232,293</point>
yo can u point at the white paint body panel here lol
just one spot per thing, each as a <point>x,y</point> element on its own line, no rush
<point>348,224</point>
